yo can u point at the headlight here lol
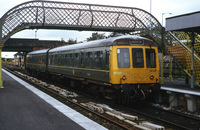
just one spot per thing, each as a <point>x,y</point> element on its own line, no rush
<point>124,77</point>
<point>151,77</point>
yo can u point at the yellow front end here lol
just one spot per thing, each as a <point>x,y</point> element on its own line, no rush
<point>133,64</point>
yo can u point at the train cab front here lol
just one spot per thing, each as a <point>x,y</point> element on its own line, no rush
<point>134,71</point>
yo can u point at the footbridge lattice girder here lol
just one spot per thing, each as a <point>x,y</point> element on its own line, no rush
<point>74,16</point>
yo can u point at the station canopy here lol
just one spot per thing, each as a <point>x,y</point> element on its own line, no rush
<point>186,22</point>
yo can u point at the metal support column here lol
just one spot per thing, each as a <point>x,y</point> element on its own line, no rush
<point>192,62</point>
<point>170,70</point>
<point>162,76</point>
<point>162,56</point>
<point>1,81</point>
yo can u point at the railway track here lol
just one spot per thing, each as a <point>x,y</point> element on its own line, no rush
<point>166,118</point>
<point>143,115</point>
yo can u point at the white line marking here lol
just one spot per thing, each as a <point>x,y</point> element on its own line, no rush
<point>181,91</point>
<point>67,111</point>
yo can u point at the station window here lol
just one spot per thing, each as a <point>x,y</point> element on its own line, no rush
<point>123,58</point>
<point>150,58</point>
<point>137,55</point>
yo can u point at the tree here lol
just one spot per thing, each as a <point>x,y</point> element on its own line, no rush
<point>72,41</point>
<point>115,34</point>
<point>96,36</point>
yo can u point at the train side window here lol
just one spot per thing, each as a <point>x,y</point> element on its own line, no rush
<point>137,55</point>
<point>76,59</point>
<point>49,60</point>
<point>150,58</point>
<point>82,59</point>
<point>98,59</point>
<point>123,58</point>
<point>43,59</point>
<point>55,59</point>
<point>65,60</point>
<point>107,59</point>
<point>89,59</point>
<point>59,61</point>
<point>71,59</point>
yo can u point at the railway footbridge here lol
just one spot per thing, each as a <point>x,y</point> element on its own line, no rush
<point>75,16</point>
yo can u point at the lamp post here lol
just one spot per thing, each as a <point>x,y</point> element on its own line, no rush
<point>150,5</point>
<point>35,34</point>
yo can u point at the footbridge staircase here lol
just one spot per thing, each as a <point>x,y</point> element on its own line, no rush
<point>180,49</point>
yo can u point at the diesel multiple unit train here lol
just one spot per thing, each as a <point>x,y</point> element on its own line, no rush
<point>125,68</point>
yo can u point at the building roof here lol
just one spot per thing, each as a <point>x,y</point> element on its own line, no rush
<point>186,22</point>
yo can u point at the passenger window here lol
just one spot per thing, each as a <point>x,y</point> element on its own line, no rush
<point>89,59</point>
<point>82,59</point>
<point>107,59</point>
<point>137,55</point>
<point>71,59</point>
<point>98,59</point>
<point>55,59</point>
<point>150,58</point>
<point>76,59</point>
<point>123,58</point>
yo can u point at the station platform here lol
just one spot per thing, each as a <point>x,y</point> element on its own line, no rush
<point>179,86</point>
<point>23,107</point>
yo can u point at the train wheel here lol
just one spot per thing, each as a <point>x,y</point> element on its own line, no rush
<point>128,98</point>
<point>124,98</point>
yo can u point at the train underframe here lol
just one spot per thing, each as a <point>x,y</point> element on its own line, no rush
<point>121,93</point>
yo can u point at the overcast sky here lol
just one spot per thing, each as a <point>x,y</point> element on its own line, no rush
<point>176,7</point>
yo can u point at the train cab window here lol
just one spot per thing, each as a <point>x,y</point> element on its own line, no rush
<point>123,58</point>
<point>137,55</point>
<point>150,58</point>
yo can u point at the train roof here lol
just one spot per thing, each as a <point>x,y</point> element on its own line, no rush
<point>43,51</point>
<point>99,43</point>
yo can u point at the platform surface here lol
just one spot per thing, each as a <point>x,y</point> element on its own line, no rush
<point>179,86</point>
<point>23,107</point>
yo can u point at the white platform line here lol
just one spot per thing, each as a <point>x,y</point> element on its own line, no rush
<point>67,111</point>
<point>190,92</point>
